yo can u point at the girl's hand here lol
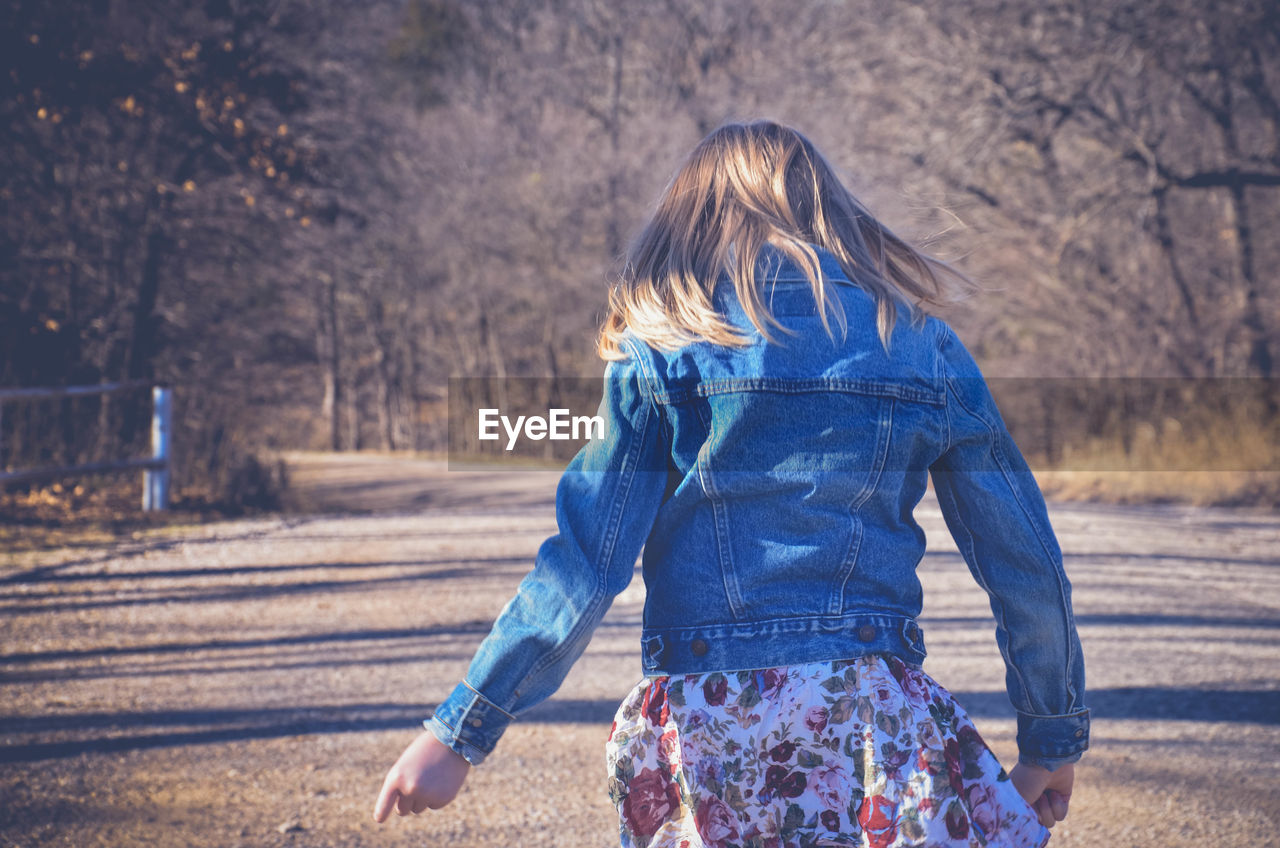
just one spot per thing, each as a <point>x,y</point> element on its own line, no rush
<point>1048,792</point>
<point>427,775</point>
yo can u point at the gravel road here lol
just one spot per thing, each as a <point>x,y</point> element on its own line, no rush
<point>247,683</point>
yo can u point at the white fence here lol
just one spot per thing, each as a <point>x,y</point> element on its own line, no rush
<point>155,469</point>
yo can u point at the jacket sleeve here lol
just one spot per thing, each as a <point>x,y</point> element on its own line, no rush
<point>996,513</point>
<point>606,503</point>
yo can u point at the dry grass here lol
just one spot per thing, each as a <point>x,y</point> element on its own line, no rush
<point>1231,462</point>
<point>89,513</point>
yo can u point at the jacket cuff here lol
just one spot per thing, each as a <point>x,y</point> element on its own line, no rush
<point>469,723</point>
<point>1052,741</point>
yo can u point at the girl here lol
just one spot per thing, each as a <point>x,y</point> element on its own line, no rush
<point>771,425</point>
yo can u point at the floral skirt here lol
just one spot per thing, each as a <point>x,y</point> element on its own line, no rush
<point>868,752</point>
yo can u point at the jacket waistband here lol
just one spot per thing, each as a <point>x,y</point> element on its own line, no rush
<point>779,642</point>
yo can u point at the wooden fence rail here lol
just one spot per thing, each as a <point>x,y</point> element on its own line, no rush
<point>155,469</point>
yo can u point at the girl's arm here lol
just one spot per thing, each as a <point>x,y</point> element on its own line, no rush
<point>606,503</point>
<point>996,513</point>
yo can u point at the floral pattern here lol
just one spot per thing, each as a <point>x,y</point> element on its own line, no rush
<point>867,752</point>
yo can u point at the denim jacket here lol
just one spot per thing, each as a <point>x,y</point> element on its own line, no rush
<point>771,488</point>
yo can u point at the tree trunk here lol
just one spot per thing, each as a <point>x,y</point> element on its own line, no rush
<point>613,229</point>
<point>382,394</point>
<point>555,397</point>
<point>411,394</point>
<point>1260,360</point>
<point>490,344</point>
<point>331,360</point>
<point>144,339</point>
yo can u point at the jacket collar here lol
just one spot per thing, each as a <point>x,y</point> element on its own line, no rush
<point>772,265</point>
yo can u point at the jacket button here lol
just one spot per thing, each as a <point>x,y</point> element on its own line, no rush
<point>699,648</point>
<point>1080,733</point>
<point>475,722</point>
<point>866,633</point>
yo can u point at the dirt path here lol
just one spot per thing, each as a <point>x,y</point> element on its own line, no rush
<point>248,682</point>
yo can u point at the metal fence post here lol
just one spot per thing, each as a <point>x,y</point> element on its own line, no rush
<point>155,483</point>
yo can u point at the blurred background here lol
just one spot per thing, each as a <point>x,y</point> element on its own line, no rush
<point>305,217</point>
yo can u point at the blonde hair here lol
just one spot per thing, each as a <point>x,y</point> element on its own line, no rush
<point>744,186</point>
